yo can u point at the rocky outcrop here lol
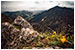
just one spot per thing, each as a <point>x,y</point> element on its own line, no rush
<point>17,35</point>
<point>21,22</point>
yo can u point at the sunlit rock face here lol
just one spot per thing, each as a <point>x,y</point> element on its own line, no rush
<point>20,21</point>
<point>17,34</point>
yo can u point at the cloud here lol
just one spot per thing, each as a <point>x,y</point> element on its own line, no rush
<point>69,4</point>
<point>37,2</point>
<point>33,5</point>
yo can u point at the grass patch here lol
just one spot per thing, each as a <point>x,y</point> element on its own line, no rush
<point>17,26</point>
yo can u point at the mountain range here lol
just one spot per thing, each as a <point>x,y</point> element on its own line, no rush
<point>53,18</point>
<point>13,15</point>
<point>21,29</point>
<point>57,18</point>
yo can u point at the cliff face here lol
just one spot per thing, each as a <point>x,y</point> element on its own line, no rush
<point>18,34</point>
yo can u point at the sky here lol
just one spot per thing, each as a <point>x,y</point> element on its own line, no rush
<point>33,5</point>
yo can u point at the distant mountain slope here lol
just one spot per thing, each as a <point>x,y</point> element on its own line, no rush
<point>54,12</point>
<point>13,15</point>
<point>56,18</point>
